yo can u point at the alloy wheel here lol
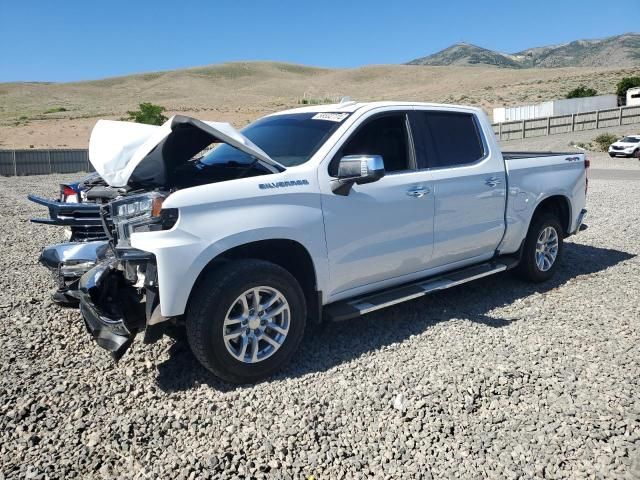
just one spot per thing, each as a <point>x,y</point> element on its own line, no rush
<point>256,324</point>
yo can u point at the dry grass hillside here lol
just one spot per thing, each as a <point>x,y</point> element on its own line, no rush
<point>241,92</point>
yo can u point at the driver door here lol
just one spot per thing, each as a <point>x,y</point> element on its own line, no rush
<point>381,232</point>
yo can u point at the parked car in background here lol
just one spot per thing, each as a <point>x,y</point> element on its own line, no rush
<point>321,213</point>
<point>628,146</point>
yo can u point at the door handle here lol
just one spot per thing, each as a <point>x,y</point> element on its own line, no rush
<point>418,192</point>
<point>493,181</point>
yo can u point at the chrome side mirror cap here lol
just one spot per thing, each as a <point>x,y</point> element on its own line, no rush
<point>357,169</point>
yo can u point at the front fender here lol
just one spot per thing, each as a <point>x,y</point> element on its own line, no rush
<point>201,235</point>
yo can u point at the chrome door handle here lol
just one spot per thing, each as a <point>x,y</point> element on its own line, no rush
<point>418,192</point>
<point>493,181</point>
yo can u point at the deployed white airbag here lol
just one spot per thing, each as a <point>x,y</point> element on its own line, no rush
<point>116,148</point>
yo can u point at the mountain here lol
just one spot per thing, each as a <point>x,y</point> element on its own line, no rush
<point>467,54</point>
<point>620,51</point>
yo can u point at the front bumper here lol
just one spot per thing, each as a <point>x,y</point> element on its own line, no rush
<point>109,333</point>
<point>119,299</point>
<point>68,262</point>
<point>111,307</point>
<point>624,153</point>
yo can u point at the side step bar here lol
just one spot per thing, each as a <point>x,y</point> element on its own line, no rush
<point>355,307</point>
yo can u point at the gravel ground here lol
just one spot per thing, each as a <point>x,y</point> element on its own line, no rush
<point>495,378</point>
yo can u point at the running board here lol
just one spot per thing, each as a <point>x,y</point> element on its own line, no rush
<point>355,307</point>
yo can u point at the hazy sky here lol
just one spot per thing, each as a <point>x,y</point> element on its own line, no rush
<point>68,40</point>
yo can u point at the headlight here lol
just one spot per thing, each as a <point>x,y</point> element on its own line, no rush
<point>139,206</point>
<point>141,213</point>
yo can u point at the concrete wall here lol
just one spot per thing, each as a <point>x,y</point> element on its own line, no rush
<point>566,106</point>
<point>574,122</point>
<point>523,112</point>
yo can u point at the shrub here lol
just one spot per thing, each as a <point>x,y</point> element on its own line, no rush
<point>148,113</point>
<point>604,141</point>
<point>625,84</point>
<point>582,91</point>
<point>316,101</point>
<point>55,110</point>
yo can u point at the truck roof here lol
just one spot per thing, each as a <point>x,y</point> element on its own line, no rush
<point>351,106</point>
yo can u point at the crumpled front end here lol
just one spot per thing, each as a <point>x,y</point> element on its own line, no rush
<point>117,297</point>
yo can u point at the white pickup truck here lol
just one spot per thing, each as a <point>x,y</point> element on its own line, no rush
<point>314,214</point>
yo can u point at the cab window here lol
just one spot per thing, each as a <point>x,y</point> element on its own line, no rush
<point>386,136</point>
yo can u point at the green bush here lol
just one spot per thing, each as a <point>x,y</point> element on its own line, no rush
<point>55,110</point>
<point>316,101</point>
<point>604,141</point>
<point>148,113</point>
<point>625,84</point>
<point>582,91</point>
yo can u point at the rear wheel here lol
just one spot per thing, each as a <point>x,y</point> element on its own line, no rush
<point>542,248</point>
<point>636,154</point>
<point>246,320</point>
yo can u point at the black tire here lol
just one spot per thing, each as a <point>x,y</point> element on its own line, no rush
<point>612,155</point>
<point>528,269</point>
<point>216,294</point>
<point>636,154</point>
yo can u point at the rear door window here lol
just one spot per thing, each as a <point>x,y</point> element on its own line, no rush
<point>447,139</point>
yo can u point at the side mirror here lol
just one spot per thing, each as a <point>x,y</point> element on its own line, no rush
<point>358,169</point>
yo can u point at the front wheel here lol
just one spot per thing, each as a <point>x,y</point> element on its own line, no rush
<point>542,249</point>
<point>246,319</point>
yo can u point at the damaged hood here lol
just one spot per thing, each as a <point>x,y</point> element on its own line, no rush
<point>123,152</point>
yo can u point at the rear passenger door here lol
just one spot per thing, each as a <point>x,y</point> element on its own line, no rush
<point>468,183</point>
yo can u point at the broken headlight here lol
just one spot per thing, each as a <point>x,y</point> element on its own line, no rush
<point>141,213</point>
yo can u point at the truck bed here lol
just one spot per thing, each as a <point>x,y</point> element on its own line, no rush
<point>520,155</point>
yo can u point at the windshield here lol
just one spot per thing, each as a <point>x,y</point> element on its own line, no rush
<point>631,139</point>
<point>289,139</point>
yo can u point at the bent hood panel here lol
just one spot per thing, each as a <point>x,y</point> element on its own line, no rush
<point>124,151</point>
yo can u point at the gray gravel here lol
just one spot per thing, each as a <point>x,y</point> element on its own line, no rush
<point>496,378</point>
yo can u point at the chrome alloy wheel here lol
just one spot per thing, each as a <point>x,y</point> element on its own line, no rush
<point>546,248</point>
<point>257,324</point>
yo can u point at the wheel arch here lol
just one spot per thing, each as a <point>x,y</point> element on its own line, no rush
<point>286,253</point>
<point>558,204</point>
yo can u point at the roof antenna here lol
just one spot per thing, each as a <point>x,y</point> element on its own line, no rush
<point>346,99</point>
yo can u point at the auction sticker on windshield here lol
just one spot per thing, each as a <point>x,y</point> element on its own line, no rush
<point>332,117</point>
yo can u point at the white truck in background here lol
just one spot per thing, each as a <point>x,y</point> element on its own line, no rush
<point>321,213</point>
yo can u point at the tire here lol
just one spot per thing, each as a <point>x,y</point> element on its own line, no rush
<point>636,154</point>
<point>529,268</point>
<point>612,155</point>
<point>218,299</point>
